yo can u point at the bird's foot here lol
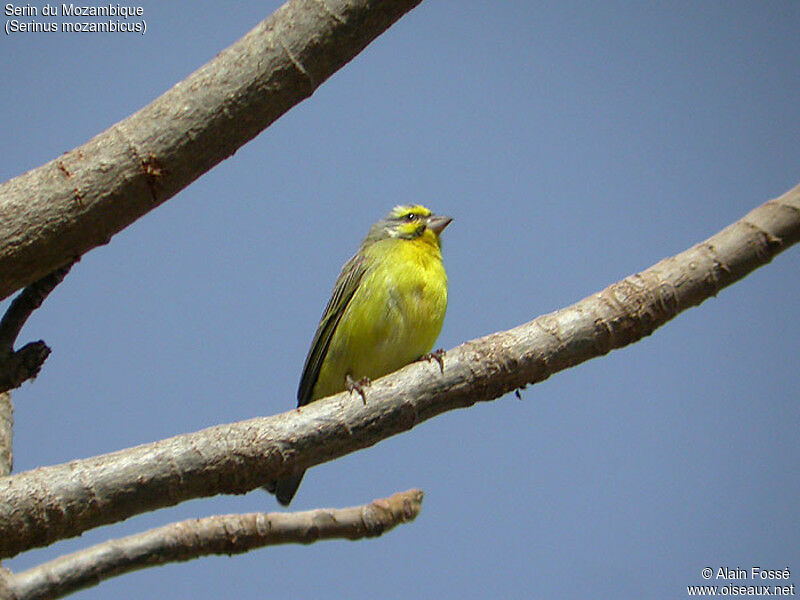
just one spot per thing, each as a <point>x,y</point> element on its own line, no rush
<point>351,385</point>
<point>437,355</point>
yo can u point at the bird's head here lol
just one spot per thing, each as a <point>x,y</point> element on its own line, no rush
<point>409,223</point>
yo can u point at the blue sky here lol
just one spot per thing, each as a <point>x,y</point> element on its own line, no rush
<point>574,144</point>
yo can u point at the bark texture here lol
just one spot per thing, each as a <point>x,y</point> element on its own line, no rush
<point>6,434</point>
<point>55,213</point>
<point>6,465</point>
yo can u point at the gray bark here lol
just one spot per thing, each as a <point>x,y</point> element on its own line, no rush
<point>57,212</point>
<point>223,534</point>
<point>6,434</point>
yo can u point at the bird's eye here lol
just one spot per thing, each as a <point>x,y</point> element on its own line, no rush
<point>411,217</point>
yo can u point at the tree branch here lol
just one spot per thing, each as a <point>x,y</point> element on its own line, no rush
<point>6,434</point>
<point>223,534</point>
<point>6,463</point>
<point>28,301</point>
<point>79,200</point>
<point>17,367</point>
<point>52,503</point>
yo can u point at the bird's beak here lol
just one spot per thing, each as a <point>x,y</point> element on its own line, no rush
<point>437,223</point>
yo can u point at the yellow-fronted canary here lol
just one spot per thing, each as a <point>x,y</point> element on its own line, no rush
<point>386,311</point>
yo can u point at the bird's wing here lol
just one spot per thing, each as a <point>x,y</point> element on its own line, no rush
<point>346,285</point>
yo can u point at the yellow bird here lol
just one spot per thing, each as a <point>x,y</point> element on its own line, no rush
<point>386,311</point>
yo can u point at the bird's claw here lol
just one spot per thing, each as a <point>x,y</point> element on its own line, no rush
<point>437,355</point>
<point>351,385</point>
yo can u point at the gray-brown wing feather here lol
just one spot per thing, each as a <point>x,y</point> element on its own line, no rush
<point>343,290</point>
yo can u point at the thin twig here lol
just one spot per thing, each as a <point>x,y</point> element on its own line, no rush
<point>223,534</point>
<point>26,302</point>
<point>6,434</point>
<point>6,463</point>
<point>17,367</point>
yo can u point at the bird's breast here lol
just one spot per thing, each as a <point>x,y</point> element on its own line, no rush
<point>394,317</point>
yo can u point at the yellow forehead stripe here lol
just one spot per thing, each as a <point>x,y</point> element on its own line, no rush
<point>417,209</point>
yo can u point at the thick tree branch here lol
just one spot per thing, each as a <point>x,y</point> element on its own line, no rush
<point>79,200</point>
<point>52,503</point>
<point>224,534</point>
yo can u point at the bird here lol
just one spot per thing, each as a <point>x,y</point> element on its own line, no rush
<point>386,311</point>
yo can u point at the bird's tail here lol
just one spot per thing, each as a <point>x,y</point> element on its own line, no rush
<point>286,487</point>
